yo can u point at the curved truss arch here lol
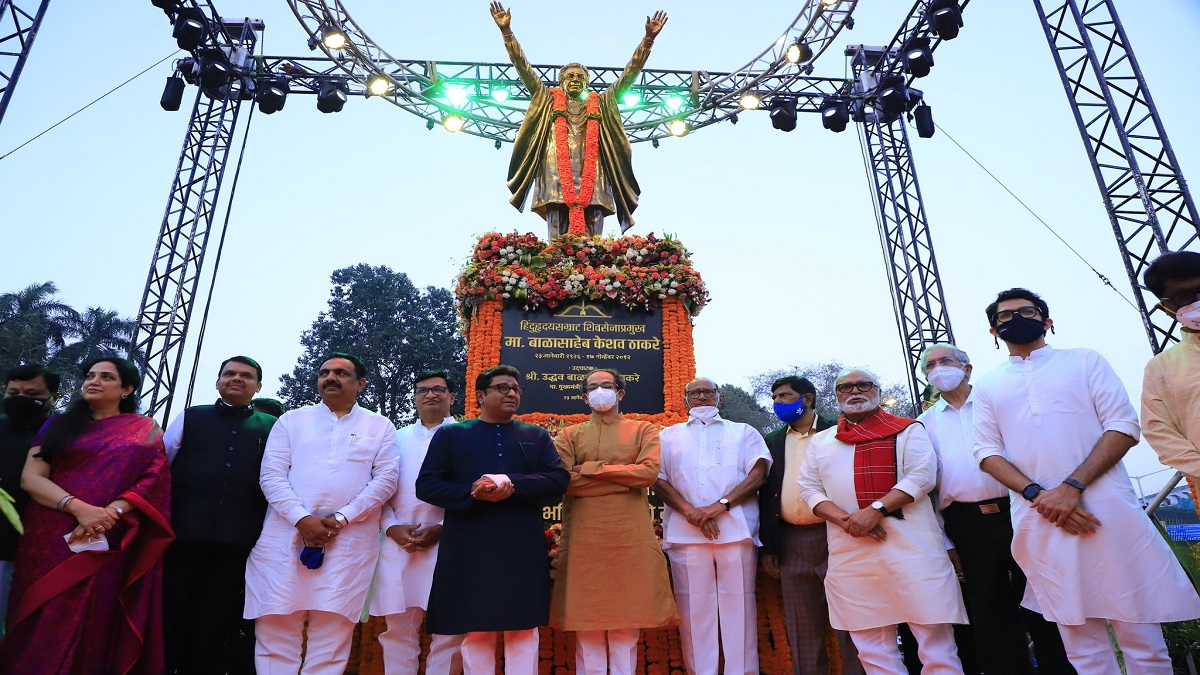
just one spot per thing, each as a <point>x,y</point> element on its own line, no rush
<point>469,91</point>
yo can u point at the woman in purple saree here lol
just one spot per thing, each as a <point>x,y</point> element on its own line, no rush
<point>98,477</point>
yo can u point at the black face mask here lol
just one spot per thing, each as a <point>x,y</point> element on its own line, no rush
<point>24,407</point>
<point>1021,331</point>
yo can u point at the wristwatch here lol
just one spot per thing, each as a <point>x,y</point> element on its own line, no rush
<point>725,502</point>
<point>1075,484</point>
<point>1031,491</point>
<point>878,506</point>
<point>341,519</point>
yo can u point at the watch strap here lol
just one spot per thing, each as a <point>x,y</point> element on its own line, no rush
<point>1075,484</point>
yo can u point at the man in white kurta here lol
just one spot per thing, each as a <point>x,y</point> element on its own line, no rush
<point>326,471</point>
<point>1053,425</point>
<point>884,570</point>
<point>409,552</point>
<point>711,470</point>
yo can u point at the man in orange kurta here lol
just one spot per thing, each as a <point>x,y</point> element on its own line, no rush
<point>612,575</point>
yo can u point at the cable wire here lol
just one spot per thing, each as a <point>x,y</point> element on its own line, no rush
<point>102,96</point>
<point>1103,279</point>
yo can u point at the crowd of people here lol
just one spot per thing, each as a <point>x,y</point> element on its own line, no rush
<point>239,541</point>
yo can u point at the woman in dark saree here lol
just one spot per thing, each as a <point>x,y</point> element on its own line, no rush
<point>99,480</point>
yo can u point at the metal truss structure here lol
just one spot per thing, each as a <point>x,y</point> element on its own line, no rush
<point>18,28</point>
<point>1144,191</point>
<point>171,288</point>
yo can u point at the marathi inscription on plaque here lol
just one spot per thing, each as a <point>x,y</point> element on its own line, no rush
<point>556,349</point>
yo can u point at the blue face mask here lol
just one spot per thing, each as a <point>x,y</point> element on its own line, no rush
<point>790,412</point>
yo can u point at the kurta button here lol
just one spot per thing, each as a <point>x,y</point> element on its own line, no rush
<point>231,447</point>
<point>228,465</point>
<point>235,432</point>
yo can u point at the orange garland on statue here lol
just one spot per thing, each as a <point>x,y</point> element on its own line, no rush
<point>483,347</point>
<point>576,200</point>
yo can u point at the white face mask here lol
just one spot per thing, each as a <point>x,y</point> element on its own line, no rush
<point>946,378</point>
<point>602,399</point>
<point>1189,316</point>
<point>703,412</point>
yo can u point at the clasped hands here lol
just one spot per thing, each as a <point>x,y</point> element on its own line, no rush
<point>705,518</point>
<point>318,530</point>
<point>865,522</point>
<point>1061,506</point>
<point>485,489</point>
<point>412,538</point>
<point>93,521</point>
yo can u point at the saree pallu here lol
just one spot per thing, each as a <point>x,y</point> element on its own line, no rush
<point>95,612</point>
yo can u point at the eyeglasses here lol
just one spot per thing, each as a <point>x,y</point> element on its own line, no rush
<point>602,385</point>
<point>849,387</point>
<point>436,391</point>
<point>702,393</point>
<point>1180,300</point>
<point>504,389</point>
<point>944,361</point>
<point>1006,315</point>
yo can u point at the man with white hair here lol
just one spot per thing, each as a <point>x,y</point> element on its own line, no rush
<point>875,467</point>
<point>711,470</point>
<point>975,513</point>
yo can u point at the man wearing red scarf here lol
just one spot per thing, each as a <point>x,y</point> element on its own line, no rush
<point>869,478</point>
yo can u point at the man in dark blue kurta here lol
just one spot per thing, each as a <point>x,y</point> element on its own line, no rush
<point>493,475</point>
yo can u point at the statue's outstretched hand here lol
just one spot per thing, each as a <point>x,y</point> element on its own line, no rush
<point>503,17</point>
<point>654,24</point>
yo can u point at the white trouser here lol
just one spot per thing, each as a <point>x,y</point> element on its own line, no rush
<point>520,652</point>
<point>1090,649</point>
<point>880,655</point>
<point>401,644</point>
<point>277,639</point>
<point>720,577</point>
<point>595,656</point>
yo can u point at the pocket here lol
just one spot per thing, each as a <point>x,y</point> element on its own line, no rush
<point>1071,397</point>
<point>362,449</point>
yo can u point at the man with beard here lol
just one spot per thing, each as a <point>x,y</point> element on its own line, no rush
<point>216,455</point>
<point>1052,425</point>
<point>29,398</point>
<point>327,470</point>
<point>869,478</point>
<point>492,475</point>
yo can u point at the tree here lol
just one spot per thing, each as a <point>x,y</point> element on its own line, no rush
<point>739,405</point>
<point>823,376</point>
<point>396,329</point>
<point>34,325</point>
<point>97,332</point>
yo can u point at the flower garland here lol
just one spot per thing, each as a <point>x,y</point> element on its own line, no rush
<point>576,200</point>
<point>483,347</point>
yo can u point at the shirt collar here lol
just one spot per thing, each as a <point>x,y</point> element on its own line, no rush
<point>716,418</point>
<point>941,404</point>
<point>329,410</point>
<point>1039,353</point>
<point>1188,338</point>
<point>597,418</point>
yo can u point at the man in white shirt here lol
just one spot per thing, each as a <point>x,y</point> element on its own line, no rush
<point>975,513</point>
<point>1053,425</point>
<point>711,470</point>
<point>407,556</point>
<point>326,472</point>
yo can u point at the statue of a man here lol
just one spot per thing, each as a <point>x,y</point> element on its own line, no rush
<point>595,178</point>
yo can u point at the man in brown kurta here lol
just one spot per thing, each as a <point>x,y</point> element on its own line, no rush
<point>612,578</point>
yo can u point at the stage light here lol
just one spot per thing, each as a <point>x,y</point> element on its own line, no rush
<point>835,115</point>
<point>828,3</point>
<point>169,6</point>
<point>923,119</point>
<point>749,101</point>
<point>215,71</point>
<point>500,94</point>
<point>798,52</point>
<point>378,85</point>
<point>452,123</point>
<point>918,57</point>
<point>654,143</point>
<point>456,94</point>
<point>892,95</point>
<point>332,96</point>
<point>430,124</point>
<point>497,143</point>
<point>944,18</point>
<point>783,113</point>
<point>733,118</point>
<point>674,103</point>
<point>172,95</point>
<point>631,99</point>
<point>678,128</point>
<point>333,38</point>
<point>190,27</point>
<point>271,93</point>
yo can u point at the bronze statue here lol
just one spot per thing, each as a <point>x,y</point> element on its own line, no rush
<point>589,127</point>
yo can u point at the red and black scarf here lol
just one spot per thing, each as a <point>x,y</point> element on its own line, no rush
<point>874,442</point>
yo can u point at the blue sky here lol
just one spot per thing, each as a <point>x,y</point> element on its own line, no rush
<point>781,225</point>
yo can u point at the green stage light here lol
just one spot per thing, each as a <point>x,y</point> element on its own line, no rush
<point>631,99</point>
<point>456,94</point>
<point>500,94</point>
<point>674,103</point>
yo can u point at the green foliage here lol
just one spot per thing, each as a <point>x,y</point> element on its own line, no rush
<point>397,330</point>
<point>739,405</point>
<point>823,376</point>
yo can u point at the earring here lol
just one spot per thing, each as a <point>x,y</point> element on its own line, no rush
<point>123,396</point>
<point>1052,330</point>
<point>997,341</point>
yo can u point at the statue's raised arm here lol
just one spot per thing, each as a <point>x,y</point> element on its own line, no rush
<point>654,26</point>
<point>503,19</point>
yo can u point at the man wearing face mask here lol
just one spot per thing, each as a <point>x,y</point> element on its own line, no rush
<point>1171,384</point>
<point>1052,425</point>
<point>606,525</point>
<point>29,398</point>
<point>794,547</point>
<point>975,513</point>
<point>711,469</point>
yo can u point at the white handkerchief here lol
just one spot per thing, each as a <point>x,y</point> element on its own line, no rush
<point>96,543</point>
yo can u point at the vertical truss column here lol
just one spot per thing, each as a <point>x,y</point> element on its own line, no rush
<point>174,277</point>
<point>917,295</point>
<point>18,28</point>
<point>1144,192</point>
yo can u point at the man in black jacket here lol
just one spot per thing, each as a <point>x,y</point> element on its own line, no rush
<point>794,546</point>
<point>217,511</point>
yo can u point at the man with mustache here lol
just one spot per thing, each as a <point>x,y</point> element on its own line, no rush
<point>216,454</point>
<point>327,470</point>
<point>869,478</point>
<point>1052,425</point>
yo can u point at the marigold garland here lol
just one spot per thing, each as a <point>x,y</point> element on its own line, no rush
<point>576,201</point>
